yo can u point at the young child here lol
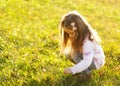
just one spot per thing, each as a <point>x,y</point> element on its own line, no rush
<point>80,43</point>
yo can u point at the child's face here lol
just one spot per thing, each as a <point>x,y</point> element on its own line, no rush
<point>72,34</point>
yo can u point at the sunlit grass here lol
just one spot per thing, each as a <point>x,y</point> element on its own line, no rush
<point>29,42</point>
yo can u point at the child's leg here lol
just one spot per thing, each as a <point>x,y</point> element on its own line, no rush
<point>86,73</point>
<point>92,66</point>
<point>75,59</point>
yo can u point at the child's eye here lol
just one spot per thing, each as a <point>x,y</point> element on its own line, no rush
<point>71,33</point>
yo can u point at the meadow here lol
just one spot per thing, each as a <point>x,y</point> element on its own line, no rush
<point>29,42</point>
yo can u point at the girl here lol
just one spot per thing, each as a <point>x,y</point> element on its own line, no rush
<point>81,44</point>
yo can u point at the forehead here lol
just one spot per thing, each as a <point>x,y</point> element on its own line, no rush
<point>68,30</point>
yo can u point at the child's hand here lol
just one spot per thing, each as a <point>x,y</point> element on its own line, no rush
<point>67,71</point>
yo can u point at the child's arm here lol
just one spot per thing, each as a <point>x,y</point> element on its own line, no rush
<point>88,53</point>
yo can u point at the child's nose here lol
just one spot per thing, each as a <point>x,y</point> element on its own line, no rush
<point>70,36</point>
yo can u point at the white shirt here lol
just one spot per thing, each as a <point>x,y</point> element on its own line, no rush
<point>91,52</point>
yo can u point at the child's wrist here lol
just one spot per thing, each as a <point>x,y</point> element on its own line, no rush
<point>72,70</point>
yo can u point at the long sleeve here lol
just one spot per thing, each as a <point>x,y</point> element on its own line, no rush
<point>99,57</point>
<point>88,53</point>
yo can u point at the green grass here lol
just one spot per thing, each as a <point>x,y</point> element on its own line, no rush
<point>29,42</point>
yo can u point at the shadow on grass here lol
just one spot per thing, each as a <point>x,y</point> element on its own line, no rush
<point>63,81</point>
<point>31,83</point>
<point>74,81</point>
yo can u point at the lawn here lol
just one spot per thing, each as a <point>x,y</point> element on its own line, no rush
<point>29,42</point>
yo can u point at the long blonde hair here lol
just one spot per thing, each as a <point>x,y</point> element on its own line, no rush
<point>83,28</point>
